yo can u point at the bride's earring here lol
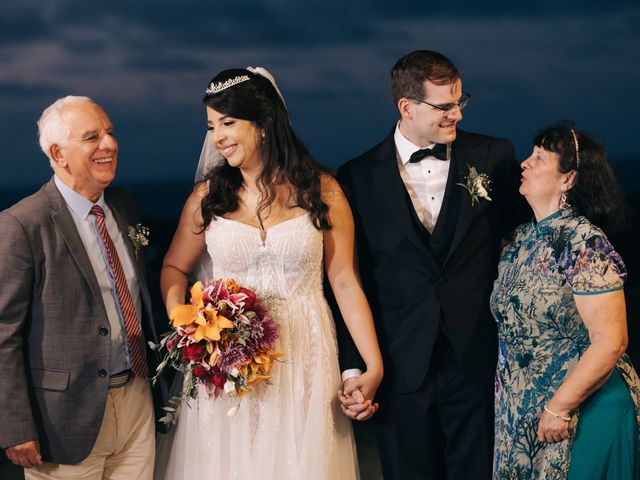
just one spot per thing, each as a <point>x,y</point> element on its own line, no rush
<point>563,201</point>
<point>263,134</point>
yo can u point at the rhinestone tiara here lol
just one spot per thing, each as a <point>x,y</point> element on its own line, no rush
<point>220,86</point>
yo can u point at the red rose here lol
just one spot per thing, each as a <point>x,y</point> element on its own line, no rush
<point>219,379</point>
<point>199,371</point>
<point>193,351</point>
<point>171,343</point>
<point>251,297</point>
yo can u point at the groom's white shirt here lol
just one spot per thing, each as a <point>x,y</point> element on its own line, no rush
<point>425,180</point>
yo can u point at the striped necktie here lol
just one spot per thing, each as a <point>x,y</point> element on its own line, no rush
<point>127,307</point>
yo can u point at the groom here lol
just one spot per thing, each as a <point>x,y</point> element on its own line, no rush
<point>75,313</point>
<point>428,242</point>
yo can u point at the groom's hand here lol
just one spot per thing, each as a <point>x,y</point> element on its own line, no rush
<point>25,454</point>
<point>353,402</point>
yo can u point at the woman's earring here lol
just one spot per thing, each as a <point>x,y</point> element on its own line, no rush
<point>263,134</point>
<point>563,201</point>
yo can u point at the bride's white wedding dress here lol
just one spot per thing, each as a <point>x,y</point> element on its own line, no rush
<point>293,428</point>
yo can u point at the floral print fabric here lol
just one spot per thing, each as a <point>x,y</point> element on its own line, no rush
<point>541,334</point>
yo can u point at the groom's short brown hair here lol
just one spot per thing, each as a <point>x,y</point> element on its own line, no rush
<point>410,72</point>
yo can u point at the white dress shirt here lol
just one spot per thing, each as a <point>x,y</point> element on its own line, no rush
<point>86,224</point>
<point>425,180</point>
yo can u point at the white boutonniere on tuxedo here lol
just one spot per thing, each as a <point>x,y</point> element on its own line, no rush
<point>139,236</point>
<point>478,185</point>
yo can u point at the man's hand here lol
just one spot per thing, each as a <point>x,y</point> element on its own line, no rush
<point>25,454</point>
<point>353,402</point>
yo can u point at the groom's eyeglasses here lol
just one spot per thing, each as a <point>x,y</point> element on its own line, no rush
<point>464,100</point>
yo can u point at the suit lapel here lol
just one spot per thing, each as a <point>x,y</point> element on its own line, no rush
<point>464,155</point>
<point>61,217</point>
<point>388,183</point>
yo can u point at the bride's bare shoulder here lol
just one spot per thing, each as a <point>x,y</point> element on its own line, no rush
<point>201,189</point>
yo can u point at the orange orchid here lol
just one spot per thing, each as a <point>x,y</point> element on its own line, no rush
<point>259,367</point>
<point>182,315</point>
<point>208,321</point>
<point>210,326</point>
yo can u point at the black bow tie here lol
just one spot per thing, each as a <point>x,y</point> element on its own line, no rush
<point>438,151</point>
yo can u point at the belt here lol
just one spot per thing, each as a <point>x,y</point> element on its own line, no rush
<point>120,379</point>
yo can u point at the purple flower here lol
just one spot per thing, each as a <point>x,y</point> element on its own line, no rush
<point>544,262</point>
<point>617,264</point>
<point>265,333</point>
<point>583,260</point>
<point>565,260</point>
<point>600,244</point>
<point>234,357</point>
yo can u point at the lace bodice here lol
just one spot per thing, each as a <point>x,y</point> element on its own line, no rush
<point>288,262</point>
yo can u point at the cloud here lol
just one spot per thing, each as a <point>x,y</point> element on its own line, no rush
<point>148,63</point>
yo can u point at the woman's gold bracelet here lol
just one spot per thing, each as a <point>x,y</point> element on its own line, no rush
<point>566,419</point>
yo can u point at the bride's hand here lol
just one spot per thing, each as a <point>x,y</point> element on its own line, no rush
<point>355,409</point>
<point>356,400</point>
<point>367,384</point>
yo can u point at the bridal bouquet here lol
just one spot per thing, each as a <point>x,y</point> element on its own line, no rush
<point>224,339</point>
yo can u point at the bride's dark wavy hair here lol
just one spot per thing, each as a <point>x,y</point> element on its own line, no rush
<point>595,192</point>
<point>285,157</point>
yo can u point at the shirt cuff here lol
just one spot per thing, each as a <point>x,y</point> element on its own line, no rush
<point>351,373</point>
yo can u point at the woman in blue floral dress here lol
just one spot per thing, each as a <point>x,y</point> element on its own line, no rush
<point>567,397</point>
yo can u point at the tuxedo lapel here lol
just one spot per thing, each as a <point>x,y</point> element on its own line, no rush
<point>388,183</point>
<point>464,155</point>
<point>450,191</point>
<point>61,217</point>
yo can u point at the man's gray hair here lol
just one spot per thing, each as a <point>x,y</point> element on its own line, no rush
<point>52,128</point>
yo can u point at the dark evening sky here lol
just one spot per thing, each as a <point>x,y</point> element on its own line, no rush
<point>148,62</point>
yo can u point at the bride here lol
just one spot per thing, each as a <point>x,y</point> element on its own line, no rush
<point>271,219</point>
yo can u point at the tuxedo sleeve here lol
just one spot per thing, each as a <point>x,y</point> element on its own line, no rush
<point>17,424</point>
<point>348,354</point>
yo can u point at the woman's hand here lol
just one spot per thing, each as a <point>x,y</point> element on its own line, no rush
<point>552,429</point>
<point>356,400</point>
<point>367,384</point>
<point>604,315</point>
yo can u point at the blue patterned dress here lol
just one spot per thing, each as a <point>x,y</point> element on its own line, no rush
<point>541,334</point>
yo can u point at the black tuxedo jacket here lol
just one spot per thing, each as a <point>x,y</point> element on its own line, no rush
<point>422,285</point>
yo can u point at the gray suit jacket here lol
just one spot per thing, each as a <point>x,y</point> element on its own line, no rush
<point>53,358</point>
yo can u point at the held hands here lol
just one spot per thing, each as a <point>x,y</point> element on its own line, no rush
<point>25,454</point>
<point>553,428</point>
<point>356,398</point>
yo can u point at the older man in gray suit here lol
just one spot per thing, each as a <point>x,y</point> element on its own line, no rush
<point>75,313</point>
